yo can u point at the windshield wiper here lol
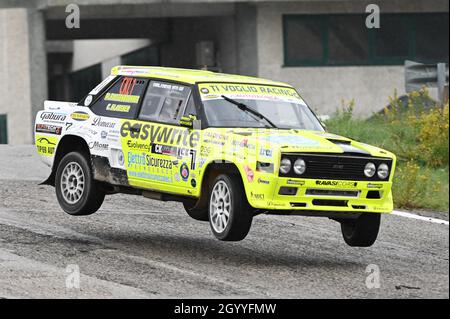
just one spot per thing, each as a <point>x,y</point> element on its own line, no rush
<point>248,109</point>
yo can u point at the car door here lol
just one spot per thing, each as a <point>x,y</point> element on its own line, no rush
<point>160,154</point>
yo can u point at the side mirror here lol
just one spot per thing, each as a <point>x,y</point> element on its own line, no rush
<point>188,121</point>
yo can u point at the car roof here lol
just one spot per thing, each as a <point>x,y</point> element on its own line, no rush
<point>189,76</point>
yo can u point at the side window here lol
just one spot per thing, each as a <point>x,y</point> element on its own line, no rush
<point>122,99</point>
<point>190,108</point>
<point>164,102</point>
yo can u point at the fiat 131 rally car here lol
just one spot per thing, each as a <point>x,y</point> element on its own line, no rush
<point>228,147</point>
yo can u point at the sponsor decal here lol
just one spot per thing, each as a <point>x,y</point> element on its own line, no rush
<point>149,176</point>
<point>49,129</point>
<point>263,181</point>
<point>275,204</point>
<point>246,90</point>
<point>193,183</point>
<point>46,146</point>
<point>160,134</point>
<point>118,108</point>
<point>167,86</point>
<point>98,121</point>
<point>336,183</point>
<point>244,144</point>
<point>53,117</point>
<point>136,145</point>
<point>214,142</point>
<point>96,145</point>
<point>249,173</point>
<point>144,159</point>
<point>370,185</point>
<point>257,196</point>
<point>216,136</point>
<point>201,162</point>
<point>174,151</point>
<point>205,150</point>
<point>121,158</point>
<point>184,172</point>
<point>87,131</point>
<point>79,116</point>
<point>295,182</point>
<point>104,134</point>
<point>127,86</point>
<point>265,152</point>
<point>115,97</point>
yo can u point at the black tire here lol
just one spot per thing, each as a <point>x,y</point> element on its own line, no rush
<point>363,231</point>
<point>92,195</point>
<point>200,214</point>
<point>240,213</point>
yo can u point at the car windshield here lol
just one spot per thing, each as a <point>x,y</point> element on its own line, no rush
<point>286,111</point>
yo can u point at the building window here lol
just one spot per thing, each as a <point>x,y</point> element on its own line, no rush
<point>343,39</point>
<point>3,130</point>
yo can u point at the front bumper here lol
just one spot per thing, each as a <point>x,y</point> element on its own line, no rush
<point>326,195</point>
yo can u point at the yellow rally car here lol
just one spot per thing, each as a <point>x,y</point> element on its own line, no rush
<point>228,147</point>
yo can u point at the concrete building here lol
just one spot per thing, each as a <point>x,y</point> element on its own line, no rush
<point>322,47</point>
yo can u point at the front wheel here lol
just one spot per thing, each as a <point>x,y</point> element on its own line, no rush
<point>77,192</point>
<point>230,215</point>
<point>363,231</point>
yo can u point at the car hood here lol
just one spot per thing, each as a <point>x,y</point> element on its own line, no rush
<point>305,141</point>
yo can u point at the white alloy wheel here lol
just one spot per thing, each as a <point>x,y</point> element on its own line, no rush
<point>220,206</point>
<point>72,183</point>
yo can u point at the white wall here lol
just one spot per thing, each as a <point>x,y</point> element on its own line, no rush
<point>23,72</point>
<point>90,52</point>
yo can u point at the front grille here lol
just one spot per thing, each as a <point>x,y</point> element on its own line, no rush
<point>336,166</point>
<point>331,192</point>
<point>330,202</point>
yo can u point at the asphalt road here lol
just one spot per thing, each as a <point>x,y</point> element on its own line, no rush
<point>139,248</point>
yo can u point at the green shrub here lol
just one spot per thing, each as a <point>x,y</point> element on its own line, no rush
<point>414,129</point>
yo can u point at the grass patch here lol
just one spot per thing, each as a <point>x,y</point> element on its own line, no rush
<point>419,138</point>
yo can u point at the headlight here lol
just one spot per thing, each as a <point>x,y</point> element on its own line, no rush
<point>383,171</point>
<point>299,166</point>
<point>370,169</point>
<point>285,166</point>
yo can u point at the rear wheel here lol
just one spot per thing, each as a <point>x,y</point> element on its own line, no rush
<point>363,231</point>
<point>77,192</point>
<point>230,215</point>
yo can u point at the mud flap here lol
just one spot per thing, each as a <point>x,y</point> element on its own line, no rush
<point>50,180</point>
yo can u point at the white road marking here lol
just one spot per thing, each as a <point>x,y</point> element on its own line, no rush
<point>414,216</point>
